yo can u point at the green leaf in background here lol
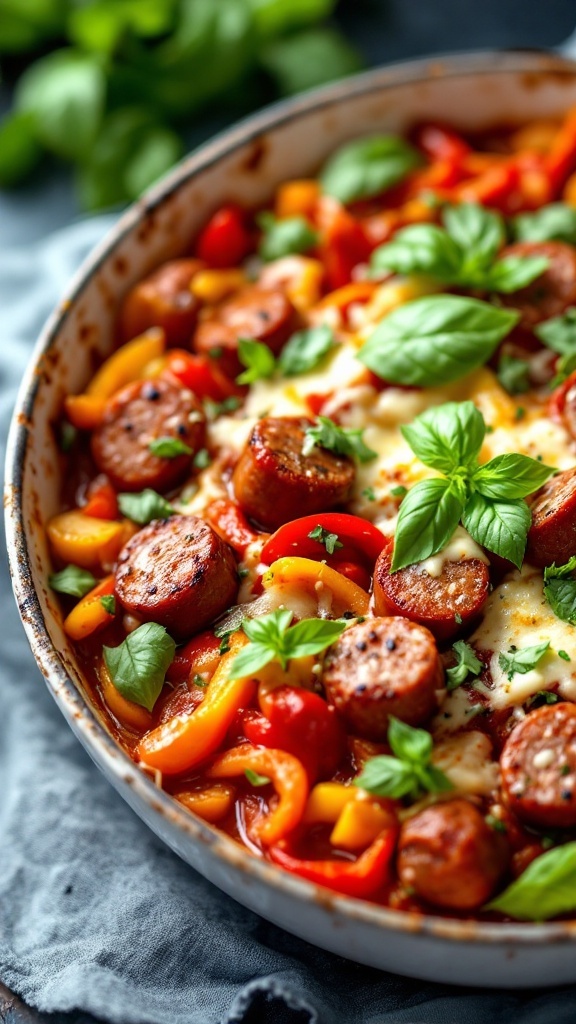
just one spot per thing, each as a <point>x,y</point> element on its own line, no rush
<point>27,24</point>
<point>101,25</point>
<point>20,151</point>
<point>284,237</point>
<point>368,166</point>
<point>65,92</point>
<point>308,59</point>
<point>275,17</point>
<point>555,222</point>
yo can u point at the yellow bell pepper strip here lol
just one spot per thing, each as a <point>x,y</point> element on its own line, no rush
<point>307,574</point>
<point>90,615</point>
<point>212,286</point>
<point>83,540</point>
<point>361,878</point>
<point>186,740</point>
<point>288,777</point>
<point>326,802</point>
<point>129,714</point>
<point>211,803</point>
<point>85,412</point>
<point>126,363</point>
<point>297,198</point>
<point>360,822</point>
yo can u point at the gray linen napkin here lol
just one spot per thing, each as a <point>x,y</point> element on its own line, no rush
<point>97,916</point>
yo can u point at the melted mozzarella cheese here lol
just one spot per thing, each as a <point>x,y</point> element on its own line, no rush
<point>517,613</point>
<point>466,759</point>
<point>460,547</point>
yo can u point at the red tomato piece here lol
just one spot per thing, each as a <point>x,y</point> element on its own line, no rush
<point>229,521</point>
<point>225,240</point>
<point>440,143</point>
<point>200,374</point>
<point>102,502</point>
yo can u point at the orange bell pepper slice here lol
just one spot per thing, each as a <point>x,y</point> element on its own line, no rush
<point>85,412</point>
<point>297,198</point>
<point>288,777</point>
<point>78,539</point>
<point>126,364</point>
<point>90,615</point>
<point>186,740</point>
<point>362,878</point>
<point>127,712</point>
<point>211,803</point>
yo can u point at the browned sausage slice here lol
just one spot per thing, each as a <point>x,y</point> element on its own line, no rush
<point>140,413</point>
<point>552,535</point>
<point>264,314</point>
<point>163,299</point>
<point>274,482</point>
<point>539,767</point>
<point>552,292</point>
<point>177,572</point>
<point>433,601</point>
<point>383,667</point>
<point>450,856</point>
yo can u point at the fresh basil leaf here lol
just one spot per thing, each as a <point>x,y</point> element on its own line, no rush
<point>273,639</point>
<point>341,440</point>
<point>435,339</point>
<point>311,636</point>
<point>545,889</point>
<point>427,518</point>
<point>255,779</point>
<point>479,233</point>
<point>367,166</point>
<point>227,405</point>
<point>514,272</point>
<point>323,536</point>
<point>305,350</point>
<point>513,375</point>
<point>388,777</point>
<point>65,92</point>
<point>108,602</point>
<point>556,222</point>
<point>447,436</point>
<point>72,580</point>
<point>269,628</point>
<point>19,149</point>
<point>432,779</point>
<point>419,249</point>
<point>467,664</point>
<point>145,506</point>
<point>257,358</point>
<point>307,59</point>
<point>202,459</point>
<point>511,476</point>
<point>139,664</point>
<point>283,237</point>
<point>408,743</point>
<point>251,659</point>
<point>169,447</point>
<point>499,526</point>
<point>520,661</point>
<point>560,590</point>
<point>559,333</point>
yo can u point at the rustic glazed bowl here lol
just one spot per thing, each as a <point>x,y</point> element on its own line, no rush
<point>245,164</point>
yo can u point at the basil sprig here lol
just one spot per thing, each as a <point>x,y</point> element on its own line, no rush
<point>519,661</point>
<point>329,540</point>
<point>303,352</point>
<point>410,772</point>
<point>462,253</point>
<point>284,237</point>
<point>560,589</point>
<point>467,664</point>
<point>545,889</point>
<point>145,506</point>
<point>139,664</point>
<point>556,222</point>
<point>559,334</point>
<point>368,166</point>
<point>272,638</point>
<point>435,339</point>
<point>341,440</point>
<point>487,499</point>
<point>73,581</point>
<point>169,447</point>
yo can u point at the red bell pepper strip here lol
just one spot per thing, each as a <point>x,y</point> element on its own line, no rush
<point>303,724</point>
<point>557,400</point>
<point>560,161</point>
<point>229,521</point>
<point>200,654</point>
<point>440,143</point>
<point>354,572</point>
<point>491,188</point>
<point>344,243</point>
<point>225,240</point>
<point>361,878</point>
<point>200,374</point>
<point>102,501</point>
<point>360,539</point>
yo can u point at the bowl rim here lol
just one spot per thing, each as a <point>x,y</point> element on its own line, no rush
<point>75,707</point>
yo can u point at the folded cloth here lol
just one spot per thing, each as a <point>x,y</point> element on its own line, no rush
<point>97,916</point>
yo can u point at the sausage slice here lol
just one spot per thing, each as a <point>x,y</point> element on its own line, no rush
<point>433,601</point>
<point>552,292</point>
<point>383,667</point>
<point>163,299</point>
<point>140,413</point>
<point>539,767</point>
<point>264,314</point>
<point>450,856</point>
<point>177,572</point>
<point>552,535</point>
<point>274,482</point>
